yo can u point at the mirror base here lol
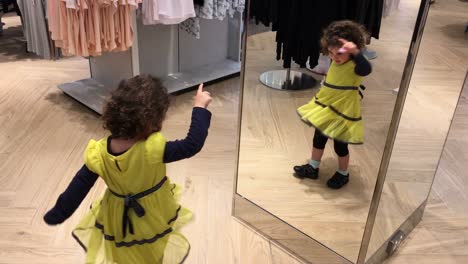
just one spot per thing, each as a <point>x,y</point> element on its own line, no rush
<point>404,230</point>
<point>288,80</point>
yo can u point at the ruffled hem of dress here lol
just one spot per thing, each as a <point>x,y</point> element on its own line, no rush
<point>326,131</point>
<point>176,243</point>
<point>80,242</point>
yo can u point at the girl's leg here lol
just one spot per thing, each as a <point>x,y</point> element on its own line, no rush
<point>341,177</point>
<point>343,163</point>
<point>316,157</point>
<point>342,151</point>
<point>311,169</point>
<point>317,154</point>
<point>318,149</point>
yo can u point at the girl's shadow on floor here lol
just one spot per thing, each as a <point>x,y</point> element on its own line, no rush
<point>75,111</point>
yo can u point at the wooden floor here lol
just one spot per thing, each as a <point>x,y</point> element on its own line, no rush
<point>43,135</point>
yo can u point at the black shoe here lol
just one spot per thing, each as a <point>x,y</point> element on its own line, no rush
<point>306,171</point>
<point>337,181</point>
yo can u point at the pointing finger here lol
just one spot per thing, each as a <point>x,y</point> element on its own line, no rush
<point>200,88</point>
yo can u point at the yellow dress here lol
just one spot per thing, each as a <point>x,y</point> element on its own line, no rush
<point>336,109</point>
<point>116,230</point>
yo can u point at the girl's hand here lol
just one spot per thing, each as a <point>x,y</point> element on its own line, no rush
<point>348,47</point>
<point>202,98</point>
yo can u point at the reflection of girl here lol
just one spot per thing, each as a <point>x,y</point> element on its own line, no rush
<point>139,217</point>
<point>335,111</point>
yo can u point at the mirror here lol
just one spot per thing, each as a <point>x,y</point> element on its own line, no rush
<point>430,103</point>
<point>273,139</point>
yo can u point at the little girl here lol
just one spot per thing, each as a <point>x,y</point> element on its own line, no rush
<point>335,111</point>
<point>138,218</point>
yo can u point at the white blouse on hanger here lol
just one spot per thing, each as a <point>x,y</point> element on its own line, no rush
<point>167,12</point>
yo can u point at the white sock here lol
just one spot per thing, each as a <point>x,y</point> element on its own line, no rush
<point>314,163</point>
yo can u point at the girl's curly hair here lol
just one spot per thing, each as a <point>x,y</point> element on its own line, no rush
<point>136,108</point>
<point>345,29</point>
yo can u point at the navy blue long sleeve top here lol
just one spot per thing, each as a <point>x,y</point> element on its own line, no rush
<point>84,180</point>
<point>363,66</point>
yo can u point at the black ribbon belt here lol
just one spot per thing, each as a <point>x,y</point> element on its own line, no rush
<point>361,87</point>
<point>336,111</point>
<point>131,202</point>
<point>340,87</point>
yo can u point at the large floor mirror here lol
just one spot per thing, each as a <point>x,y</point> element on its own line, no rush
<point>390,174</point>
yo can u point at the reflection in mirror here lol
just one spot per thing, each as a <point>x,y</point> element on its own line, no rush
<point>274,139</point>
<point>427,113</point>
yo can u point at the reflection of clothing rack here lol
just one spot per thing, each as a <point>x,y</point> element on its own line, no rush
<point>287,80</point>
<point>298,32</point>
<point>281,79</point>
<point>164,51</point>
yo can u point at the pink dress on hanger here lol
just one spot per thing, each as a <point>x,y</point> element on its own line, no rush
<point>91,27</point>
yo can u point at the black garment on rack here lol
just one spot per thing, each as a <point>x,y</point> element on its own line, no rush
<point>369,13</point>
<point>199,2</point>
<point>299,24</point>
<point>300,27</point>
<point>264,11</point>
<point>5,4</point>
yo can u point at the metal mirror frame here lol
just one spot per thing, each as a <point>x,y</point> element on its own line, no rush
<point>296,240</point>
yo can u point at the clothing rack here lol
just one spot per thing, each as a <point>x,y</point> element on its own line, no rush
<point>298,33</point>
<point>285,79</point>
<point>164,51</point>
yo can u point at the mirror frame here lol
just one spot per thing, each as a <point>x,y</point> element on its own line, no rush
<point>242,207</point>
<point>393,129</point>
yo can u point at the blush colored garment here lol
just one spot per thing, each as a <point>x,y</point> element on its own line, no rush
<point>89,28</point>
